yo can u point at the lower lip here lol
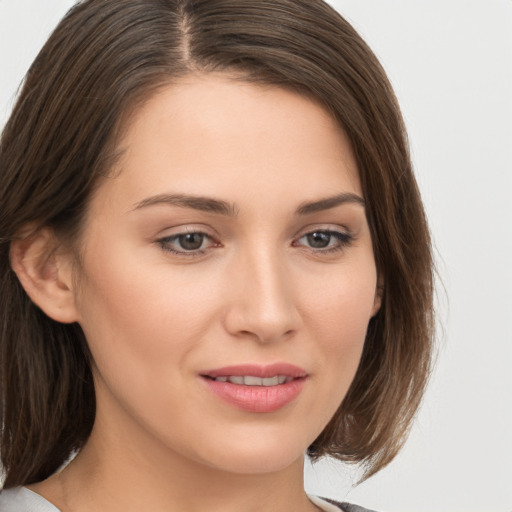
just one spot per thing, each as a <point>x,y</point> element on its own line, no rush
<point>257,398</point>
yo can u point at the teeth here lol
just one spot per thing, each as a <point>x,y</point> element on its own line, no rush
<point>255,381</point>
<point>250,380</point>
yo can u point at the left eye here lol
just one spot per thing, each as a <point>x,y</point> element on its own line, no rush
<point>324,239</point>
<point>186,242</point>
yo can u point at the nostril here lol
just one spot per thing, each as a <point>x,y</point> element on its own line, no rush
<point>266,315</point>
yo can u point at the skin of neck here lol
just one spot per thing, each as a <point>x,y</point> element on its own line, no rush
<point>121,468</point>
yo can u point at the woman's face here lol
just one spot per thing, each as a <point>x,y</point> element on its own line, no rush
<point>228,276</point>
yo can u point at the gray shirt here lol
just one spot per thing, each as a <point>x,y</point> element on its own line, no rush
<point>21,499</point>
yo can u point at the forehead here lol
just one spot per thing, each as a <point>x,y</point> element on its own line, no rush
<point>212,133</point>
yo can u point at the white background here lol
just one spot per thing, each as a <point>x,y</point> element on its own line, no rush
<point>451,64</point>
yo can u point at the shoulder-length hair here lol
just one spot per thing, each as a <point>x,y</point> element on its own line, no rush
<point>103,60</point>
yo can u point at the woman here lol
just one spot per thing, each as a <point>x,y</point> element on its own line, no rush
<point>214,260</point>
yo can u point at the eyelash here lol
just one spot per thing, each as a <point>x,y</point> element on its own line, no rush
<point>343,240</point>
<point>165,244</point>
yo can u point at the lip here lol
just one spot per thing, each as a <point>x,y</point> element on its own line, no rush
<point>259,399</point>
<point>257,370</point>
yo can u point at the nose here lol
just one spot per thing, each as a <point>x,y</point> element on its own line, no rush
<point>261,302</point>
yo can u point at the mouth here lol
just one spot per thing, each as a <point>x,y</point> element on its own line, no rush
<point>251,380</point>
<point>256,388</point>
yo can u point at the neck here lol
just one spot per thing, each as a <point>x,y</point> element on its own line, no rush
<point>131,472</point>
<point>132,481</point>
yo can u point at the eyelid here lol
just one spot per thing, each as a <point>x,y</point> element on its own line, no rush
<point>184,228</point>
<point>333,228</point>
<point>343,235</point>
<point>165,241</point>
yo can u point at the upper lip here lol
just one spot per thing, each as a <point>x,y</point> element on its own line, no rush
<point>255,370</point>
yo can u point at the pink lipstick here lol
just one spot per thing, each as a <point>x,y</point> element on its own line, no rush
<point>256,388</point>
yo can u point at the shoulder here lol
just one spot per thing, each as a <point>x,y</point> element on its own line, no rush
<point>21,499</point>
<point>328,505</point>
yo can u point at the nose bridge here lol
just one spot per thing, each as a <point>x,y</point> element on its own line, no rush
<point>263,304</point>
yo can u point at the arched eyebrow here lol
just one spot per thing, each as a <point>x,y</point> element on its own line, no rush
<point>218,206</point>
<point>205,204</point>
<point>329,202</point>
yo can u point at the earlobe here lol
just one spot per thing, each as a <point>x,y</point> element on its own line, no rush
<point>379,292</point>
<point>46,274</point>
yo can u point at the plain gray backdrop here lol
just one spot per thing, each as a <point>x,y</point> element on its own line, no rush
<point>451,64</point>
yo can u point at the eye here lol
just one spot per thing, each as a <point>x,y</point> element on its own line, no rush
<point>325,240</point>
<point>191,243</point>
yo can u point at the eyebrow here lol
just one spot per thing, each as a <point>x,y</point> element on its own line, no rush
<point>210,205</point>
<point>205,204</point>
<point>330,202</point>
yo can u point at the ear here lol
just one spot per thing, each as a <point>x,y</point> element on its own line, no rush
<point>45,272</point>
<point>379,292</point>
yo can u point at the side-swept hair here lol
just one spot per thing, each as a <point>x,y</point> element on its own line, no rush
<point>103,60</point>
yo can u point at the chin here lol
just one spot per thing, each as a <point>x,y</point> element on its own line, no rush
<point>259,464</point>
<point>262,454</point>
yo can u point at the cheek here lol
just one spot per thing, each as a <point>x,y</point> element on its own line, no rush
<point>339,313</point>
<point>138,319</point>
<point>342,303</point>
<point>142,328</point>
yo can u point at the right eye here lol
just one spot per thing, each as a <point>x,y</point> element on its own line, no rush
<point>190,243</point>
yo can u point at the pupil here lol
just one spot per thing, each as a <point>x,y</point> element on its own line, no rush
<point>191,241</point>
<point>319,239</point>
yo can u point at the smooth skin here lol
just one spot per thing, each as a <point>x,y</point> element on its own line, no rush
<point>211,245</point>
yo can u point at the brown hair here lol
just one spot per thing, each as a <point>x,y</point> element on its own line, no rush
<point>100,62</point>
